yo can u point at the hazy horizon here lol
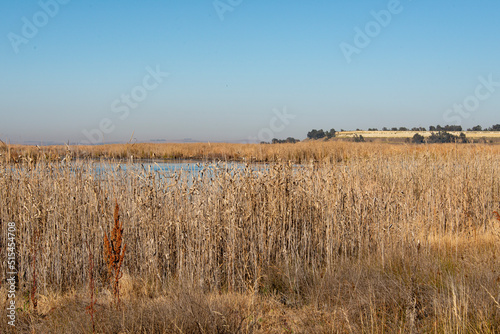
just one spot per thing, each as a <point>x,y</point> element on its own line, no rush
<point>236,70</point>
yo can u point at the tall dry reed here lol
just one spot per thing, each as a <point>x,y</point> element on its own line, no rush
<point>381,239</point>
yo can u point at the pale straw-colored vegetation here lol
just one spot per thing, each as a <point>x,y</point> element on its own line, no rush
<point>359,238</point>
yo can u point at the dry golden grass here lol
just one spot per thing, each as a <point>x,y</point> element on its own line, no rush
<point>361,238</point>
<point>303,152</point>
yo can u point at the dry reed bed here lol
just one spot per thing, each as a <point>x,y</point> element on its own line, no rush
<point>193,151</point>
<point>387,239</point>
<point>303,152</point>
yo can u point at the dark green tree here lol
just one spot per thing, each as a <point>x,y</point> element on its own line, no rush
<point>418,139</point>
<point>331,133</point>
<point>316,134</point>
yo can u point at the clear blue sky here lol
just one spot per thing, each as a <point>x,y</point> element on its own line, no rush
<point>229,69</point>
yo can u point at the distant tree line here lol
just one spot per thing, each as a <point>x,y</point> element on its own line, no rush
<point>283,141</point>
<point>421,128</point>
<point>318,134</point>
<point>440,134</point>
<point>454,128</point>
<point>495,127</point>
<point>439,137</point>
<point>445,128</point>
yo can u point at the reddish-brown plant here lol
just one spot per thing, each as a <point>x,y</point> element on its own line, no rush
<point>114,253</point>
<point>497,215</point>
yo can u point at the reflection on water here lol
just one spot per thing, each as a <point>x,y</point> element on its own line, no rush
<point>151,170</point>
<point>171,168</point>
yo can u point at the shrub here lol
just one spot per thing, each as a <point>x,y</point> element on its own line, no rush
<point>418,139</point>
<point>446,137</point>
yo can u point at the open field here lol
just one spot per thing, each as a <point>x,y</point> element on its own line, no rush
<point>362,237</point>
<point>475,135</point>
<point>409,134</point>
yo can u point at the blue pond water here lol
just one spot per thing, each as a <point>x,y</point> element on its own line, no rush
<point>167,169</point>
